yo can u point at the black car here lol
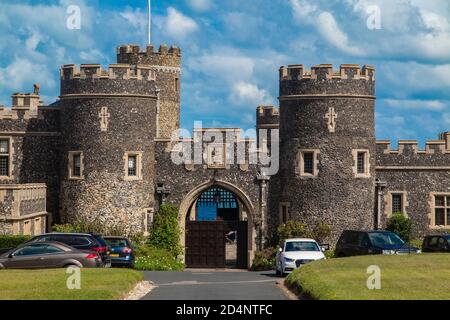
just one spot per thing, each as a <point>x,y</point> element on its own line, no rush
<point>360,243</point>
<point>81,241</point>
<point>436,243</point>
<point>122,252</point>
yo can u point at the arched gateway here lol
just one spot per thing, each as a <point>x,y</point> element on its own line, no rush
<point>216,218</point>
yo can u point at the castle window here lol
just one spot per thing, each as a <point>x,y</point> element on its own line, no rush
<point>284,212</point>
<point>397,203</point>
<point>361,166</point>
<point>442,211</point>
<point>177,85</point>
<point>309,163</point>
<point>5,158</point>
<point>133,166</point>
<point>76,166</point>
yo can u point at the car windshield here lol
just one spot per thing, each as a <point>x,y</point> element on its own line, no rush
<point>301,246</point>
<point>117,243</point>
<point>385,239</point>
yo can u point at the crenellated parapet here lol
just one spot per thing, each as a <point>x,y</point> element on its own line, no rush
<point>267,117</point>
<point>349,80</point>
<point>326,72</point>
<point>165,59</point>
<point>118,79</point>
<point>408,155</point>
<point>26,106</point>
<point>115,71</point>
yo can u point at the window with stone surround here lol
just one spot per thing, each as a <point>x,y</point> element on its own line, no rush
<point>442,210</point>
<point>5,158</point>
<point>308,163</point>
<point>76,166</point>
<point>133,166</point>
<point>361,163</point>
<point>397,203</point>
<point>284,212</point>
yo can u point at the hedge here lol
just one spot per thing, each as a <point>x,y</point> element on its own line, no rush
<point>7,242</point>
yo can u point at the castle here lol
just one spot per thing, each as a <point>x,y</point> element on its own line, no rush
<point>104,153</point>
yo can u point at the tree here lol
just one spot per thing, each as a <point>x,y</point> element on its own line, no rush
<point>401,225</point>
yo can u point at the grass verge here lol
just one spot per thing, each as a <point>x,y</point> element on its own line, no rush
<point>414,277</point>
<point>96,284</point>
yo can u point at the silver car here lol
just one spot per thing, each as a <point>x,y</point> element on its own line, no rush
<point>48,255</point>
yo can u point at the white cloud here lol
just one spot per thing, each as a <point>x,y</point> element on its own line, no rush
<point>244,93</point>
<point>179,26</point>
<point>432,105</point>
<point>330,31</point>
<point>24,72</point>
<point>200,5</point>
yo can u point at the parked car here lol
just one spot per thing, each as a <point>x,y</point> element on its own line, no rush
<point>359,243</point>
<point>122,252</point>
<point>436,243</point>
<point>81,241</point>
<point>48,255</point>
<point>296,252</point>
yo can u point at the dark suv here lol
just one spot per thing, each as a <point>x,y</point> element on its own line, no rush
<point>436,243</point>
<point>360,243</point>
<point>81,241</point>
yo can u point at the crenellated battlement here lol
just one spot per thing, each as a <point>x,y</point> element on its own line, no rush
<point>412,147</point>
<point>165,59</point>
<point>115,71</point>
<point>326,72</point>
<point>149,50</point>
<point>24,106</point>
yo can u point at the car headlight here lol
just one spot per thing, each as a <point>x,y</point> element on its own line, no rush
<point>287,260</point>
<point>389,252</point>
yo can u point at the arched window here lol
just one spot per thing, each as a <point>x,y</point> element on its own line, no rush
<point>217,204</point>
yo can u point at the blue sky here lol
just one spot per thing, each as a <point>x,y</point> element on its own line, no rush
<point>232,51</point>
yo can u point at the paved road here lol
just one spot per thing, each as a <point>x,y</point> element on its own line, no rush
<point>214,285</point>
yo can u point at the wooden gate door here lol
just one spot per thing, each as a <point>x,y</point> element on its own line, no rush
<point>205,244</point>
<point>242,245</point>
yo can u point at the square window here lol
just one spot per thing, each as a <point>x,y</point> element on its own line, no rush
<point>132,166</point>
<point>308,163</point>
<point>76,165</point>
<point>361,166</point>
<point>397,203</point>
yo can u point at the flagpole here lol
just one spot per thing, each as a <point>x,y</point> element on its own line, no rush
<point>149,22</point>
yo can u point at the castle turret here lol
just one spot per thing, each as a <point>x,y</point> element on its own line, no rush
<point>166,62</point>
<point>328,145</point>
<point>108,124</point>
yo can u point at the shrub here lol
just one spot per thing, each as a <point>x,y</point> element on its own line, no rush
<point>321,232</point>
<point>165,231</point>
<point>401,225</point>
<point>292,229</point>
<point>264,260</point>
<point>330,254</point>
<point>153,259</point>
<point>7,242</point>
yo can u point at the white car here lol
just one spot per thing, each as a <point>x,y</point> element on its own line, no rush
<point>296,252</point>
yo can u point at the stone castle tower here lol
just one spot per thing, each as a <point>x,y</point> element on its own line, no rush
<point>327,134</point>
<point>110,120</point>
<point>167,65</point>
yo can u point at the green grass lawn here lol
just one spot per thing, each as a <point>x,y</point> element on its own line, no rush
<point>96,284</point>
<point>415,277</point>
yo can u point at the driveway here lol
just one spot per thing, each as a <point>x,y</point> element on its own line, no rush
<point>214,285</point>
